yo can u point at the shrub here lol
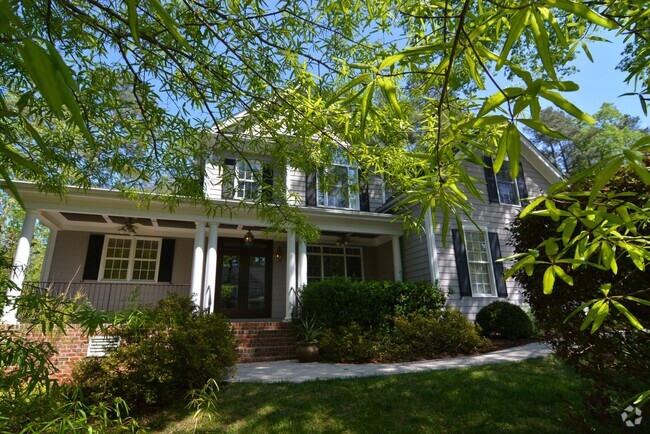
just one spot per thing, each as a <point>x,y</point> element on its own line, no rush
<point>163,354</point>
<point>504,320</point>
<point>350,344</point>
<point>420,337</point>
<point>617,356</point>
<point>373,304</point>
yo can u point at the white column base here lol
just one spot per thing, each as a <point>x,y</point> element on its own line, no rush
<point>291,275</point>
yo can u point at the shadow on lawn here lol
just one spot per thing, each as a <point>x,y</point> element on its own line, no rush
<point>534,396</point>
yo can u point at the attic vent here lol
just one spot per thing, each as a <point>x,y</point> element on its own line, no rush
<point>98,346</point>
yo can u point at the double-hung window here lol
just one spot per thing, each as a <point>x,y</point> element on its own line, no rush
<point>480,274</point>
<point>247,175</point>
<point>134,259</point>
<point>334,261</point>
<point>338,185</point>
<point>506,186</point>
<point>479,263</point>
<point>501,188</point>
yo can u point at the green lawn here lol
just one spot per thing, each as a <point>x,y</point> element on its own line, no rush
<point>538,396</point>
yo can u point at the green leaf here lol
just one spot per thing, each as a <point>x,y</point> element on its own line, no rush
<point>514,149</point>
<point>41,70</point>
<point>540,36</point>
<point>592,314</point>
<point>361,78</point>
<point>551,248</point>
<point>366,105</point>
<point>559,272</point>
<point>549,280</point>
<point>600,317</point>
<point>569,226</point>
<point>517,24</point>
<point>413,51</point>
<point>538,125</point>
<point>531,206</point>
<point>133,20</point>
<point>499,98</point>
<point>584,12</point>
<point>389,89</point>
<point>587,52</point>
<point>638,300</point>
<point>501,150</point>
<point>12,187</point>
<point>169,22</point>
<point>631,318</point>
<point>565,105</point>
<point>604,176</point>
<point>579,309</point>
<point>642,171</point>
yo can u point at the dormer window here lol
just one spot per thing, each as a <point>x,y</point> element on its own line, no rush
<point>246,185</point>
<point>337,185</point>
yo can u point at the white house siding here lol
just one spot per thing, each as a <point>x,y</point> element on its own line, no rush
<point>494,218</point>
<point>297,185</point>
<point>212,184</point>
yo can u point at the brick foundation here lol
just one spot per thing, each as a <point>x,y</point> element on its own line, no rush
<point>258,341</point>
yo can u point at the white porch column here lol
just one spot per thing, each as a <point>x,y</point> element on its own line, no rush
<point>210,284</point>
<point>291,274</point>
<point>302,263</point>
<point>197,264</point>
<point>397,260</point>
<point>431,246</point>
<point>21,258</point>
<point>49,253</point>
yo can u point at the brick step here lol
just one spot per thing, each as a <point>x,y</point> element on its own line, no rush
<point>263,341</point>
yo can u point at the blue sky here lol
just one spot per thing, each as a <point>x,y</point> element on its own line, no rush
<point>600,81</point>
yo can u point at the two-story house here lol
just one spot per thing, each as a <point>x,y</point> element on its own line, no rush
<point>113,250</point>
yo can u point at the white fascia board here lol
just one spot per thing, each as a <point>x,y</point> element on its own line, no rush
<point>545,168</point>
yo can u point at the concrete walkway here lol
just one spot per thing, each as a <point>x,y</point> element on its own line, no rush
<point>294,372</point>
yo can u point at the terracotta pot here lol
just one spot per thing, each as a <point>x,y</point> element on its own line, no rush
<point>307,352</point>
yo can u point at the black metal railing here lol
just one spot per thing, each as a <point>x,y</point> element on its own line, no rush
<point>113,296</point>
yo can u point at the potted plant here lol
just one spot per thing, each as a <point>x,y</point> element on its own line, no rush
<point>308,332</point>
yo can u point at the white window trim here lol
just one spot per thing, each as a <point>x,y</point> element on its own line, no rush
<point>236,179</point>
<point>350,195</point>
<point>344,255</point>
<point>490,263</point>
<point>514,181</point>
<point>129,273</point>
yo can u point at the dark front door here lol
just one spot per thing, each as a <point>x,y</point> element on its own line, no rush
<point>244,279</point>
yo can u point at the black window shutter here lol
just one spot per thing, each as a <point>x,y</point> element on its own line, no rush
<point>200,179</point>
<point>364,195</point>
<point>490,178</point>
<point>166,260</point>
<point>228,179</point>
<point>521,185</point>
<point>310,193</point>
<point>267,178</point>
<point>93,257</point>
<point>462,268</point>
<point>495,250</point>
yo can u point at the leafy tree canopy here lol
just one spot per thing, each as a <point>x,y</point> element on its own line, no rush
<point>586,144</point>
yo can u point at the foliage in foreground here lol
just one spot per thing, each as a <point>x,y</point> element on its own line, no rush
<point>537,396</point>
<point>163,354</point>
<point>606,345</point>
<point>504,320</point>
<point>30,400</point>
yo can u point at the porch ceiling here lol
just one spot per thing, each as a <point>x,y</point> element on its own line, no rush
<point>106,211</point>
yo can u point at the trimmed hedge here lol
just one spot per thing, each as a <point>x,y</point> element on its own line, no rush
<point>340,302</point>
<point>504,320</point>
